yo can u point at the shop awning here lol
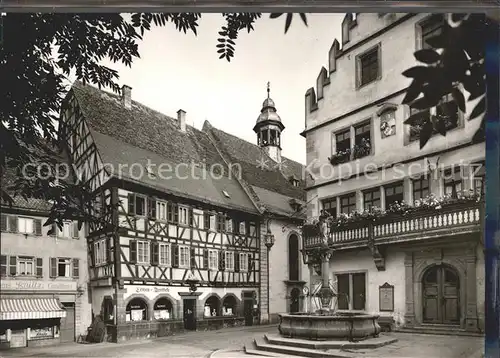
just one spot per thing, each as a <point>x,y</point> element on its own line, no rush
<point>30,308</point>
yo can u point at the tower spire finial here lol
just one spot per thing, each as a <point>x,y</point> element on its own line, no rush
<point>268,88</point>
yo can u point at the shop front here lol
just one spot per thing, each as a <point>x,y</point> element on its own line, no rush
<point>36,313</point>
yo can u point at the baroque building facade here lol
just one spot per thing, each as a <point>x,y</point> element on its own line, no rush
<point>406,223</point>
<point>190,223</point>
<point>44,277</point>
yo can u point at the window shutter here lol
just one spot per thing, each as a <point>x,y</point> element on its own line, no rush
<point>3,225</point>
<point>76,232</point>
<point>250,262</point>
<point>76,268</point>
<point>131,204</point>
<point>155,253</point>
<point>12,223</point>
<point>205,259</point>
<point>190,217</point>
<point>132,251</point>
<point>222,261</point>
<point>39,267</point>
<point>176,213</point>
<point>193,257</point>
<point>37,226</point>
<point>13,266</point>
<point>108,249</point>
<point>236,262</point>
<point>170,212</point>
<point>152,208</point>
<point>53,267</point>
<point>206,221</point>
<point>92,254</point>
<point>175,255</point>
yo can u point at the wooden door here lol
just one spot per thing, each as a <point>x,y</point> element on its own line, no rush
<point>68,323</point>
<point>190,314</point>
<point>441,292</point>
<point>248,311</point>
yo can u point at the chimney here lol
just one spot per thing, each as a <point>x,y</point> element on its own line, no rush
<point>127,96</point>
<point>181,119</point>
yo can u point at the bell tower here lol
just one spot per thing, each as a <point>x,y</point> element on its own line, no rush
<point>268,128</point>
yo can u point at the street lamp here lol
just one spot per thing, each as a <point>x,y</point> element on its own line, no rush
<point>269,239</point>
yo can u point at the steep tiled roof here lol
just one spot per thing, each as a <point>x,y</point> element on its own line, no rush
<point>31,204</point>
<point>127,136</point>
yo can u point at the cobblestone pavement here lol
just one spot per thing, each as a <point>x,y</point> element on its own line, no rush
<point>202,344</point>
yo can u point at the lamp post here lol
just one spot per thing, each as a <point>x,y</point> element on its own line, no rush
<point>269,242</point>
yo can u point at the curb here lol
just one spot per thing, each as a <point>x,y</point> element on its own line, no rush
<point>214,353</point>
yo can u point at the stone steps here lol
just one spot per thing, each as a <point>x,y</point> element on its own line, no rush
<point>262,344</point>
<point>323,345</point>
<point>443,330</point>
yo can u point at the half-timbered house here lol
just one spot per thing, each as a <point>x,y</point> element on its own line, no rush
<point>183,247</point>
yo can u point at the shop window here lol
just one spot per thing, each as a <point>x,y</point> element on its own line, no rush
<point>3,335</point>
<point>162,309</point>
<point>108,309</point>
<point>229,306</point>
<point>136,310</point>
<point>212,307</point>
<point>41,331</point>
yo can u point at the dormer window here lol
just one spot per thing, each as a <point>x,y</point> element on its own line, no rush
<point>294,181</point>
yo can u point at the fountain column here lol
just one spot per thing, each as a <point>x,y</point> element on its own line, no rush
<point>325,293</point>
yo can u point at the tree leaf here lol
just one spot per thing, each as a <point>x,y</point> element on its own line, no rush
<point>420,73</point>
<point>427,56</point>
<point>425,133</point>
<point>275,15</point>
<point>421,103</point>
<point>304,18</point>
<point>440,126</point>
<point>288,21</point>
<point>479,109</point>
<point>412,92</point>
<point>458,96</point>
<point>438,41</point>
<point>412,120</point>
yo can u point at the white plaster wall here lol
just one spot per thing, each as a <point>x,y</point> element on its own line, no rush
<point>98,294</point>
<point>394,274</point>
<point>278,265</point>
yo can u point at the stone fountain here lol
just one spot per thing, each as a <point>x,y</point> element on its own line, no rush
<point>325,332</point>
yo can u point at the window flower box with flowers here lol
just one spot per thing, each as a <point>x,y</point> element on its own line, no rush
<point>342,156</point>
<point>399,209</point>
<point>362,149</point>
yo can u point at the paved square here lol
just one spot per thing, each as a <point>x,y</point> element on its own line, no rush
<point>229,343</point>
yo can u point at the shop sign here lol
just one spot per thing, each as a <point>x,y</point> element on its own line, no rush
<point>147,289</point>
<point>45,332</point>
<point>37,285</point>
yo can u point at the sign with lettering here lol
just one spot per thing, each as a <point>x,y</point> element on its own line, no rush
<point>386,298</point>
<point>37,285</point>
<point>147,289</point>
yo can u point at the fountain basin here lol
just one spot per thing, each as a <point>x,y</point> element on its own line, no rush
<point>341,326</point>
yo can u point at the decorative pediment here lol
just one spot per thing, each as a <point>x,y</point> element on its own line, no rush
<point>386,107</point>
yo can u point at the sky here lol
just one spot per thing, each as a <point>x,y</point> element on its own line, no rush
<point>183,71</point>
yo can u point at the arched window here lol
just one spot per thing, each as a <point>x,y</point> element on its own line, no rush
<point>107,309</point>
<point>293,258</point>
<point>212,307</point>
<point>137,310</point>
<point>229,306</point>
<point>162,309</point>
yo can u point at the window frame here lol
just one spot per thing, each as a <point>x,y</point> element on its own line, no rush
<point>229,254</point>
<point>168,255</point>
<point>429,20</point>
<point>180,249</point>
<point>146,250</point>
<point>346,138</point>
<point>100,252</point>
<point>447,182</point>
<point>243,260</point>
<point>26,219</point>
<point>159,205</point>
<point>393,186</point>
<point>69,265</point>
<point>144,206</point>
<point>26,259</point>
<point>376,49</point>
<point>348,196</point>
<point>371,200</point>
<point>180,209</point>
<point>421,179</point>
<point>215,266</point>
<point>330,201</point>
